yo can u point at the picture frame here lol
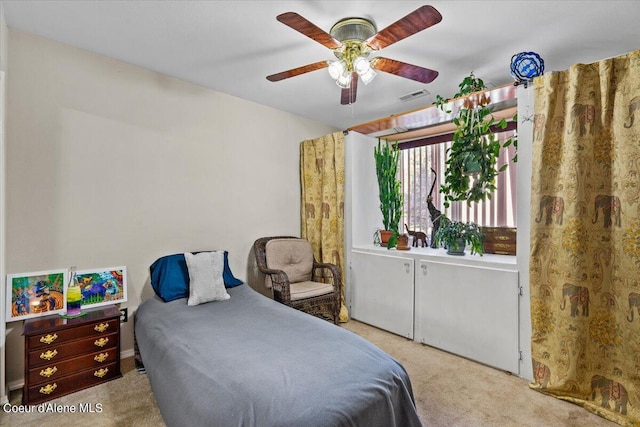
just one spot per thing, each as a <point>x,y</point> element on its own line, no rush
<point>35,294</point>
<point>102,286</point>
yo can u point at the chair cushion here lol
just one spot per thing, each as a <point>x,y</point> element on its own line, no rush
<point>293,256</point>
<point>308,289</point>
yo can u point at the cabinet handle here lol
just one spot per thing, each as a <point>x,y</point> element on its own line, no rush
<point>406,266</point>
<point>101,327</point>
<point>424,269</point>
<point>101,357</point>
<point>48,339</point>
<point>101,372</point>
<point>48,372</point>
<point>48,389</point>
<point>101,342</point>
<point>48,355</point>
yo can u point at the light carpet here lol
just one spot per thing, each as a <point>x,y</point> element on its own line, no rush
<point>449,391</point>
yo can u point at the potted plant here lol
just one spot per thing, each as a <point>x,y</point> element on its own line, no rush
<point>387,158</point>
<point>471,165</point>
<point>455,235</point>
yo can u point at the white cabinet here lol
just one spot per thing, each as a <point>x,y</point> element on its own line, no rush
<point>469,310</point>
<point>382,291</point>
<point>467,306</point>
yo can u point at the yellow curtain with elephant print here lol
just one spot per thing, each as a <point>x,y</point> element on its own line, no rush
<point>322,207</point>
<point>585,237</point>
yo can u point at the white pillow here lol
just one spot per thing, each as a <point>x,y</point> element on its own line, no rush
<point>205,277</point>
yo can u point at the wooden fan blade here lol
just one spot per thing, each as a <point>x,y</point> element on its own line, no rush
<point>418,20</point>
<point>348,96</point>
<point>297,71</point>
<point>305,27</point>
<point>402,69</point>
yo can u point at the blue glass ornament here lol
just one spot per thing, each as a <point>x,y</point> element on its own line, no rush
<point>525,66</point>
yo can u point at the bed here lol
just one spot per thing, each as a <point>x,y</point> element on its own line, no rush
<point>250,361</point>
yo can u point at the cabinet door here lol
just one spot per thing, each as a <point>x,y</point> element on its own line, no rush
<point>470,311</point>
<point>382,291</point>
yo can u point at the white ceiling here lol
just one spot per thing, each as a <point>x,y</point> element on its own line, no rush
<point>231,46</point>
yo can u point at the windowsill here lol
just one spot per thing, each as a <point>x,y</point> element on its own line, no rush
<point>440,255</point>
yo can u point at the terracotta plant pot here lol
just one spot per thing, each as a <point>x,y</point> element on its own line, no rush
<point>403,243</point>
<point>384,237</point>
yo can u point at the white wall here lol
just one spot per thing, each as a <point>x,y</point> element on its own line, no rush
<point>110,164</point>
<point>523,248</point>
<point>361,188</point>
<point>362,214</point>
<point>3,68</point>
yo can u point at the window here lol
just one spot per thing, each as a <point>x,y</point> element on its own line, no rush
<point>417,179</point>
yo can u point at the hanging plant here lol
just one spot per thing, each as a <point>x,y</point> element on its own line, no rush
<point>471,164</point>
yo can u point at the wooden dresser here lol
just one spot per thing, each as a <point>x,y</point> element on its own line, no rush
<point>66,355</point>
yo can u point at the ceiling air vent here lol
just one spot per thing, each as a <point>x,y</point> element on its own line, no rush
<point>414,95</point>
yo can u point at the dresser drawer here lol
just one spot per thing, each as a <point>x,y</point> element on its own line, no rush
<point>50,339</point>
<point>56,353</point>
<point>71,383</point>
<point>54,370</point>
<point>500,248</point>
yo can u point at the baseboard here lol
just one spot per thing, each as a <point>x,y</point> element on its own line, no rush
<point>15,385</point>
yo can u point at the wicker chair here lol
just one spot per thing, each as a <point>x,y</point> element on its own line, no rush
<point>295,277</point>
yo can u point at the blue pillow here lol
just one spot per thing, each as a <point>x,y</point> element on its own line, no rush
<point>170,277</point>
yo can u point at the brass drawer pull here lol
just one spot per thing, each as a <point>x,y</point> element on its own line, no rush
<point>101,357</point>
<point>48,355</point>
<point>101,327</point>
<point>48,372</point>
<point>48,389</point>
<point>48,339</point>
<point>101,342</point>
<point>101,372</point>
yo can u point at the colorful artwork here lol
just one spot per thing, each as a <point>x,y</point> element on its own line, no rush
<point>103,286</point>
<point>35,294</point>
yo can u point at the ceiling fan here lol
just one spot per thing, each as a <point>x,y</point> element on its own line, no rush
<point>352,40</point>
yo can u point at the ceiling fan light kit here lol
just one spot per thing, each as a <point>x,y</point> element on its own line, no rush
<point>353,52</point>
<point>352,40</point>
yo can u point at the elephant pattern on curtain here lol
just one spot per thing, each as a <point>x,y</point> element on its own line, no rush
<point>322,207</point>
<point>585,237</point>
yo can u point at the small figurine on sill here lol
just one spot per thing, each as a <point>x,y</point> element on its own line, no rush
<point>418,236</point>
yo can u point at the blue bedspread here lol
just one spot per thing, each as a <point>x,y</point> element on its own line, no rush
<point>250,361</point>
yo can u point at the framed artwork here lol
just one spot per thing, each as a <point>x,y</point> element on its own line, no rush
<point>102,286</point>
<point>36,294</point>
